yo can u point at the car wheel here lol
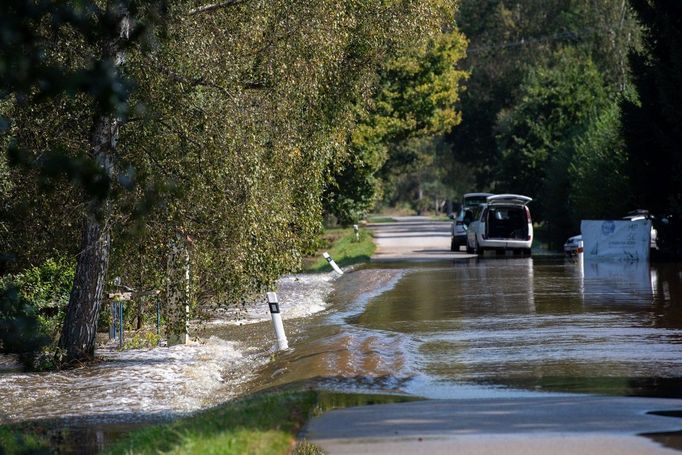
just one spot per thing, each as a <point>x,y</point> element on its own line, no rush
<point>453,245</point>
<point>526,252</point>
<point>469,249</point>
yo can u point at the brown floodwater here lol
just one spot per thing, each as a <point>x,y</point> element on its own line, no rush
<point>495,327</point>
<point>489,327</point>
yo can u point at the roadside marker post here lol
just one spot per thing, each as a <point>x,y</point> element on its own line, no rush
<point>580,253</point>
<point>273,302</point>
<point>356,229</point>
<point>332,263</point>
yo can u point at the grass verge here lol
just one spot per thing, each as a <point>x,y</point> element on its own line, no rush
<point>341,245</point>
<point>264,423</point>
<point>14,441</point>
<point>260,424</point>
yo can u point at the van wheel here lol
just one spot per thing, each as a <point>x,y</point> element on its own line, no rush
<point>453,245</point>
<point>479,250</point>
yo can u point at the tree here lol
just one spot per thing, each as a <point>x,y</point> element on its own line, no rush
<point>223,127</point>
<point>510,39</point>
<point>651,126</point>
<point>36,70</point>
<point>537,138</point>
<point>600,186</point>
<point>417,95</point>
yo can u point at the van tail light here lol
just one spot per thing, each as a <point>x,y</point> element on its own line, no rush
<point>528,215</point>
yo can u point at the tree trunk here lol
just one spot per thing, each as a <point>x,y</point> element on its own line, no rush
<point>80,324</point>
<point>79,330</point>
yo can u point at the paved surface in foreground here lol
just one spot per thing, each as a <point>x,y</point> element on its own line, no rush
<point>562,425</point>
<point>565,425</point>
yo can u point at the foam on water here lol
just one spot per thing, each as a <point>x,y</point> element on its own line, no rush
<point>299,296</point>
<point>136,385</point>
<point>126,385</point>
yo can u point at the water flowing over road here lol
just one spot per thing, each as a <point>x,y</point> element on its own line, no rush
<point>418,319</point>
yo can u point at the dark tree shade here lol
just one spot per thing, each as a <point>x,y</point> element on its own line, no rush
<point>653,131</point>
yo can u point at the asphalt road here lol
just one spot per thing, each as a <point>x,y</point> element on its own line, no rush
<point>558,425</point>
<point>570,425</point>
<point>414,238</point>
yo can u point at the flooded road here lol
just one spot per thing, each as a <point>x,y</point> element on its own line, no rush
<point>497,327</point>
<point>463,327</point>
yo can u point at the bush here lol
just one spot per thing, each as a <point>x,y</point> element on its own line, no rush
<point>20,330</point>
<point>32,307</point>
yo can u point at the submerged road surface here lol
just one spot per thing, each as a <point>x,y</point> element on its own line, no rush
<point>523,424</point>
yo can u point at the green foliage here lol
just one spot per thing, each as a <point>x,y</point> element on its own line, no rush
<point>509,41</point>
<point>599,167</point>
<point>33,304</point>
<point>651,126</point>
<point>231,119</point>
<point>306,448</point>
<point>261,424</point>
<point>343,248</point>
<point>537,138</point>
<point>47,287</point>
<point>141,340</point>
<point>20,330</point>
<point>16,442</point>
<point>417,96</point>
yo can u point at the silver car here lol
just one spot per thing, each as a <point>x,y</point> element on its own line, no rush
<point>470,203</point>
<point>572,244</point>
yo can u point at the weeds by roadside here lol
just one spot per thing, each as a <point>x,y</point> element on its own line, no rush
<point>344,248</point>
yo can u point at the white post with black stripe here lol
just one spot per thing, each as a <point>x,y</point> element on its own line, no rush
<point>332,263</point>
<point>282,342</point>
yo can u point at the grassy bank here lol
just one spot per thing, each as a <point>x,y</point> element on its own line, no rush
<point>14,441</point>
<point>265,423</point>
<point>341,245</point>
<point>261,424</point>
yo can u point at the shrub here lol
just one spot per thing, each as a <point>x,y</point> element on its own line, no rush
<point>32,306</point>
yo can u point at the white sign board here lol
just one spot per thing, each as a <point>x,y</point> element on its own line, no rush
<point>618,240</point>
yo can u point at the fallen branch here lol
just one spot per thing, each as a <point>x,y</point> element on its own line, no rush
<point>213,7</point>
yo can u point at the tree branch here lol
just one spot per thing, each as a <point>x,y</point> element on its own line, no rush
<point>213,7</point>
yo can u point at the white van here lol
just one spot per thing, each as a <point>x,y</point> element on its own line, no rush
<point>503,223</point>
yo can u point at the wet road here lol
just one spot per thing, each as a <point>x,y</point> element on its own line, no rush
<point>510,340</point>
<point>413,238</point>
<point>447,326</point>
<point>461,327</point>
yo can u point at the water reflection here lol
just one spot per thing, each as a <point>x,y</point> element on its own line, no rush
<point>619,278</point>
<point>499,325</point>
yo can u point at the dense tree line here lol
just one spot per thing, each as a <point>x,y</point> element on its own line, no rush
<point>572,103</point>
<point>130,125</point>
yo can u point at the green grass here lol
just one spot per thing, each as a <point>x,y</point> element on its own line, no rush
<point>343,248</point>
<point>260,424</point>
<point>16,441</point>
